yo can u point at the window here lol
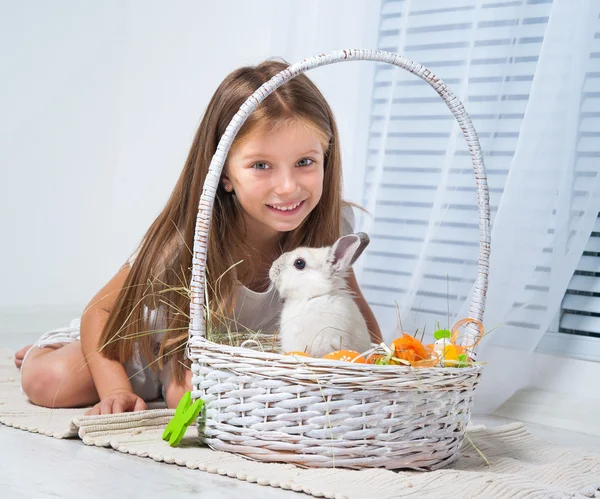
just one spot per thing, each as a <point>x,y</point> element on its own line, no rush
<point>581,305</point>
<point>419,174</point>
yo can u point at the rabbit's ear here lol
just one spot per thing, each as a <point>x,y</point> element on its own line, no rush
<point>347,249</point>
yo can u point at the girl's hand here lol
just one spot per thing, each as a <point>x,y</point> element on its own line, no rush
<point>174,392</point>
<point>118,402</point>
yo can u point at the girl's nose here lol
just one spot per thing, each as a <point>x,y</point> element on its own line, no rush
<point>286,183</point>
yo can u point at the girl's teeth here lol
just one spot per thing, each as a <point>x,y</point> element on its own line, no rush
<point>283,208</point>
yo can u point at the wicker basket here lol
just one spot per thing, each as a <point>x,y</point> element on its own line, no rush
<point>320,413</point>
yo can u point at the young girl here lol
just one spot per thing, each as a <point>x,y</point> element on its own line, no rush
<point>280,189</point>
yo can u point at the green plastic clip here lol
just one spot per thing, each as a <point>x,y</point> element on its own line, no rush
<point>185,414</point>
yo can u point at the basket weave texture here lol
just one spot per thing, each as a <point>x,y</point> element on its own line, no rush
<point>322,413</point>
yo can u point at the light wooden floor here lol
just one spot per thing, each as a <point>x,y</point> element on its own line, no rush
<point>34,466</point>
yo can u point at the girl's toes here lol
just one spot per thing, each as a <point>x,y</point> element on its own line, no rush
<point>20,355</point>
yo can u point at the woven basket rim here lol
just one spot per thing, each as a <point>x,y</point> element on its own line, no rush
<point>291,360</point>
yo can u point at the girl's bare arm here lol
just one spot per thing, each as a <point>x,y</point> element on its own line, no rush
<point>110,376</point>
<point>364,308</point>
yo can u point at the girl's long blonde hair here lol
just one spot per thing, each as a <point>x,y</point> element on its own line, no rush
<point>163,261</point>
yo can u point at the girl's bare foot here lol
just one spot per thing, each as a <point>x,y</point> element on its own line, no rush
<point>20,354</point>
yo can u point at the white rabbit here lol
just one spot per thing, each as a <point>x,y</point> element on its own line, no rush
<point>319,312</point>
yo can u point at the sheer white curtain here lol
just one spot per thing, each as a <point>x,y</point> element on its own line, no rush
<point>550,201</point>
<point>525,71</point>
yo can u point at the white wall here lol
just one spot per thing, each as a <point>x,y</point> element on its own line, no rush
<point>99,97</point>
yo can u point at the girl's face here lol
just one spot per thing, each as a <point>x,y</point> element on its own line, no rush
<point>277,176</point>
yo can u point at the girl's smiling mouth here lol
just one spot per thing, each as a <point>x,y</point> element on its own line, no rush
<point>287,209</point>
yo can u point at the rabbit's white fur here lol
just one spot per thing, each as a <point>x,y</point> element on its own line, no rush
<point>319,313</point>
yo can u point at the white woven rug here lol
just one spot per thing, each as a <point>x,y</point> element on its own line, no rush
<point>521,465</point>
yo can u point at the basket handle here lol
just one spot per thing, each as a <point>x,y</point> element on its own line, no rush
<point>205,206</point>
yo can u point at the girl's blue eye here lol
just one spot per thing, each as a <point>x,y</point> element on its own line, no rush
<point>305,162</point>
<point>261,165</point>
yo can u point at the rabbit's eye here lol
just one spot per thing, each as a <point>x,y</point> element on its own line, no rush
<point>300,264</point>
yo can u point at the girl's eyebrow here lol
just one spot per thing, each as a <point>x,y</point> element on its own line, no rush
<point>311,151</point>
<point>260,155</point>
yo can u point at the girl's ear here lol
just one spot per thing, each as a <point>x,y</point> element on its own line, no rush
<point>226,183</point>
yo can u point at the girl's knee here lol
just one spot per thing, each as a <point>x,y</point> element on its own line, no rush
<point>41,381</point>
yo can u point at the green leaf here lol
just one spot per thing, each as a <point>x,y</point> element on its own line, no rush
<point>463,360</point>
<point>441,333</point>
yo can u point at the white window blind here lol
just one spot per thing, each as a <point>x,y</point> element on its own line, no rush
<point>581,306</point>
<point>487,54</point>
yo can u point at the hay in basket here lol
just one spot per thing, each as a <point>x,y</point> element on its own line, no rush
<point>323,413</point>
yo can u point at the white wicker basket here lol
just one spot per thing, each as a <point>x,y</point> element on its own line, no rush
<point>321,413</point>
